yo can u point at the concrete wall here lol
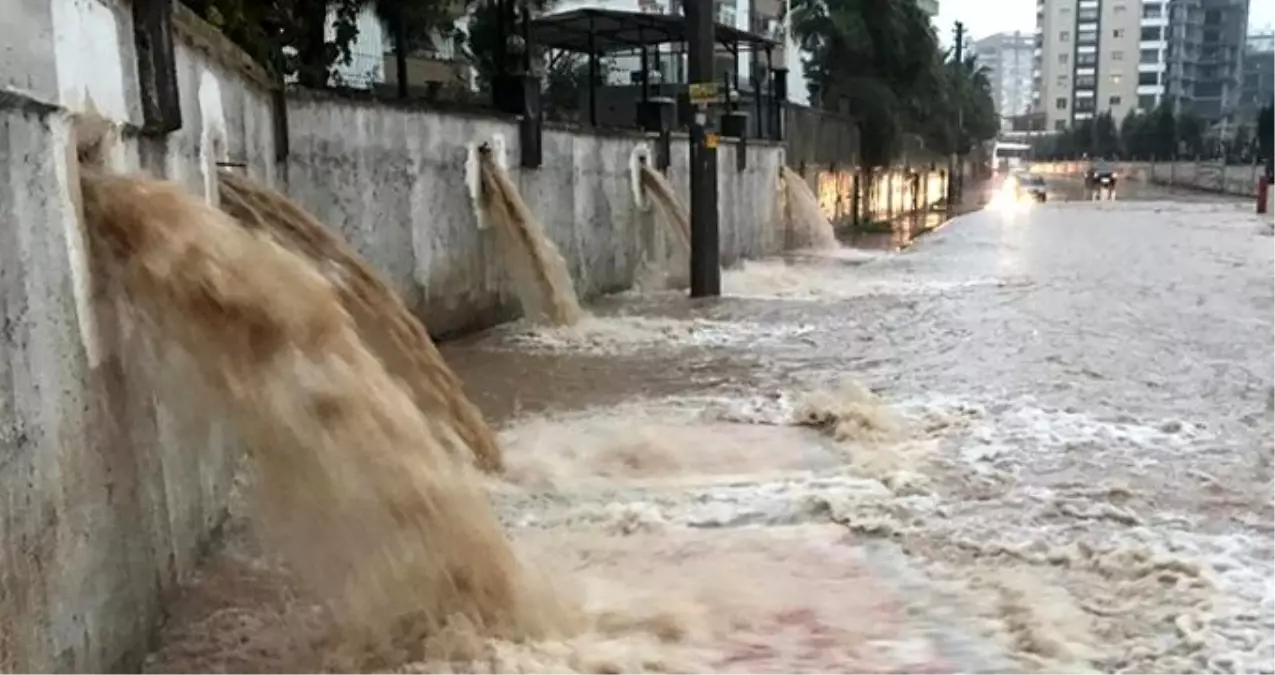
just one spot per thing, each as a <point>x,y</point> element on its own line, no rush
<point>106,494</point>
<point>1236,179</point>
<point>392,182</point>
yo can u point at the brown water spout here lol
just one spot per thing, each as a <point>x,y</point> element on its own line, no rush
<point>384,323</point>
<point>538,271</point>
<point>358,489</point>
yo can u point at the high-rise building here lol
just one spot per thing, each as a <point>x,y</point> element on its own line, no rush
<point>1008,59</point>
<point>1258,86</point>
<point>1095,56</point>
<point>1205,55</point>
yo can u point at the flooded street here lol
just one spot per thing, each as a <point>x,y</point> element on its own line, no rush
<point>1038,440</point>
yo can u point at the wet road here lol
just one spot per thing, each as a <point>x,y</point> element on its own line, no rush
<point>1100,373</point>
<point>1065,465</point>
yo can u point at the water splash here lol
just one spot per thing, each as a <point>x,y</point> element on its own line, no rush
<point>538,271</point>
<point>677,220</point>
<point>807,225</point>
<point>355,486</point>
<point>383,322</point>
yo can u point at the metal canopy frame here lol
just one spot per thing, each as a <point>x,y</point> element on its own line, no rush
<point>598,31</point>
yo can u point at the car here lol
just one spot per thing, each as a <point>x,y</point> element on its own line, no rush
<point>1100,175</point>
<point>1031,186</point>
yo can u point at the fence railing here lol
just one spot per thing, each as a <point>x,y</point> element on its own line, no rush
<point>820,137</point>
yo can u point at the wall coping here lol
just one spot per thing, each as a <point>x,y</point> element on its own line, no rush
<point>205,37</point>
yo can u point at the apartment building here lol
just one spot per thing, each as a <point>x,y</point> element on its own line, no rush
<point>1258,86</point>
<point>1095,56</point>
<point>1008,58</point>
<point>1206,49</point>
<point>1090,59</point>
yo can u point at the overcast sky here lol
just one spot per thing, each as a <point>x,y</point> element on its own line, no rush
<point>984,17</point>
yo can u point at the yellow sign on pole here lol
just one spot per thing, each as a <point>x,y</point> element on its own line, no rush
<point>710,141</point>
<point>704,93</point>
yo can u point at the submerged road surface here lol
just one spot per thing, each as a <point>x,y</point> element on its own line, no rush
<point>1038,440</point>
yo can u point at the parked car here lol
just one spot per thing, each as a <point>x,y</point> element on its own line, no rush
<point>1031,186</point>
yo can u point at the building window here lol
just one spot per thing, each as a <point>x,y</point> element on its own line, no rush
<point>1119,9</point>
<point>1148,79</point>
<point>1084,104</point>
<point>1146,102</point>
<point>1113,101</point>
<point>1087,59</point>
<point>1117,33</point>
<point>1085,81</point>
<point>1116,78</point>
<point>1064,36</point>
<point>1062,80</point>
<point>1152,10</point>
<point>1149,56</point>
<point>1117,56</point>
<point>1087,15</point>
<point>1087,37</point>
<point>1060,125</point>
<point>1060,103</point>
<point>1151,34</point>
<point>1065,10</point>
<point>1063,59</point>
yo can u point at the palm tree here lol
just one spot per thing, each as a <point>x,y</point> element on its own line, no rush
<point>869,58</point>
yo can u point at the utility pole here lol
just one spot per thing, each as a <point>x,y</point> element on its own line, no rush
<point>953,170</point>
<point>706,273</point>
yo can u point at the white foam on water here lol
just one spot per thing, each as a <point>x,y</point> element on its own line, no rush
<point>778,279</point>
<point>625,334</point>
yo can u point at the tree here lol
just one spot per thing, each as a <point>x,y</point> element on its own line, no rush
<point>1238,149</point>
<point>411,25</point>
<point>873,59</point>
<point>482,43</point>
<point>1191,134</point>
<point>1164,135</point>
<point>1106,137</point>
<point>264,28</point>
<point>879,61</point>
<point>1266,134</point>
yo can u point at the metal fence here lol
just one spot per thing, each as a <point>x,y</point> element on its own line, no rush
<point>820,137</point>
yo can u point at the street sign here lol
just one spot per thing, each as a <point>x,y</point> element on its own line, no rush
<point>704,93</point>
<point>710,141</point>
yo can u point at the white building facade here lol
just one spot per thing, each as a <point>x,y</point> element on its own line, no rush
<point>1009,60</point>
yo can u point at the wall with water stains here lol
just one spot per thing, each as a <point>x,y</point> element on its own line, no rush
<point>106,494</point>
<point>393,183</point>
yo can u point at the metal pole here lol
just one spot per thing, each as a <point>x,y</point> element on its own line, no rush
<point>953,182</point>
<point>706,279</point>
<point>593,75</point>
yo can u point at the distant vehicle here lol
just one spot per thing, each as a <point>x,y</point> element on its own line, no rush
<point>1100,176</point>
<point>1032,187</point>
<point>1008,157</point>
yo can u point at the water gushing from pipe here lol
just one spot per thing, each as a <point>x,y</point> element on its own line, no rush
<point>676,218</point>
<point>537,269</point>
<point>807,225</point>
<point>384,323</point>
<point>355,486</point>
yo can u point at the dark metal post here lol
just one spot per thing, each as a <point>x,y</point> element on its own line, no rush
<point>156,66</point>
<point>706,279</point>
<point>953,183</point>
<point>593,75</point>
<point>646,68</point>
